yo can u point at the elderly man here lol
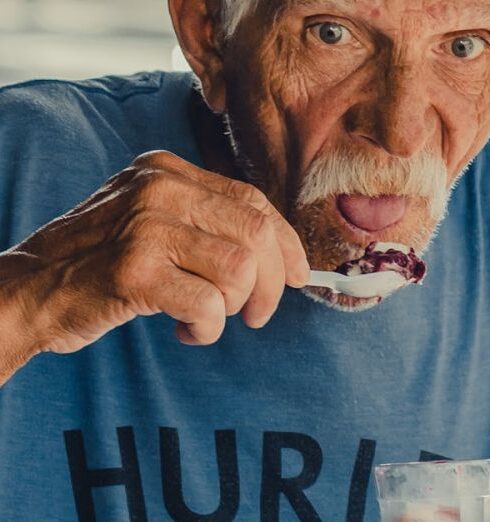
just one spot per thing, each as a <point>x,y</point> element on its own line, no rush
<point>319,126</point>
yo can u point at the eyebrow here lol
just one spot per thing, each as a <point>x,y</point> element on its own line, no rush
<point>334,5</point>
<point>473,15</point>
<point>482,12</point>
<point>337,3</point>
<point>479,12</point>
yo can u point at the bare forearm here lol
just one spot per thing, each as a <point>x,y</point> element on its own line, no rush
<point>19,336</point>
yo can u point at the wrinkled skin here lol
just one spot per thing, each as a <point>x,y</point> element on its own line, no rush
<point>392,89</point>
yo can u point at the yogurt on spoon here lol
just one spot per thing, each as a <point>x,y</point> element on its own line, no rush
<point>383,269</point>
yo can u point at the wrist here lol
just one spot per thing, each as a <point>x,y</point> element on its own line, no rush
<point>16,344</point>
<point>20,331</point>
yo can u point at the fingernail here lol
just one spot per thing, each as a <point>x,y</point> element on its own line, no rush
<point>260,323</point>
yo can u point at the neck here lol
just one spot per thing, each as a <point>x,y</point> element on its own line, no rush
<point>210,134</point>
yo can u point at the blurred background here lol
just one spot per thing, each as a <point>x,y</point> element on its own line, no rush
<point>76,39</point>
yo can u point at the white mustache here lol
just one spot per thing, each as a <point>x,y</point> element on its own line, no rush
<point>346,171</point>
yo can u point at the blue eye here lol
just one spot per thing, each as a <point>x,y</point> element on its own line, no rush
<point>332,33</point>
<point>467,47</point>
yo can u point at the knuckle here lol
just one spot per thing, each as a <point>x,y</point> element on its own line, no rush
<point>144,185</point>
<point>154,159</point>
<point>248,193</point>
<point>122,177</point>
<point>240,263</point>
<point>144,225</point>
<point>152,184</point>
<point>206,302</point>
<point>258,227</point>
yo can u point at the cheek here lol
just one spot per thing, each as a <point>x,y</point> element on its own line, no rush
<point>462,99</point>
<point>458,128</point>
<point>283,104</point>
<point>300,69</point>
<point>316,119</point>
<point>467,79</point>
<point>300,94</point>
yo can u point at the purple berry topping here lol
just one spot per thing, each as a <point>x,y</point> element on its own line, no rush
<point>376,260</point>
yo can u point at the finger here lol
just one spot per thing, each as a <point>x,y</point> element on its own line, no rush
<point>271,276</point>
<point>295,260</point>
<point>229,266</point>
<point>296,265</point>
<point>243,224</point>
<point>193,301</point>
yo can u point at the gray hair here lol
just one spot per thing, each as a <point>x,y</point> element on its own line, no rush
<point>232,12</point>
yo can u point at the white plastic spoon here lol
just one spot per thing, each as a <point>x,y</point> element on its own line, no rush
<point>378,284</point>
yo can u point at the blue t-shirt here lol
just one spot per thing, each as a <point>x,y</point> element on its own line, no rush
<point>283,423</point>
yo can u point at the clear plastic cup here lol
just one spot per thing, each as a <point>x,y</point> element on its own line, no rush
<point>442,491</point>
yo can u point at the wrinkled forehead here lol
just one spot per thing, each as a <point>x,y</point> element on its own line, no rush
<point>439,11</point>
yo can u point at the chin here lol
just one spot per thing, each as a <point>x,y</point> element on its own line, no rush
<point>330,241</point>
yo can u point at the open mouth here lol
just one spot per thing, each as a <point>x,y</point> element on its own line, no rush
<point>371,214</point>
<point>338,229</point>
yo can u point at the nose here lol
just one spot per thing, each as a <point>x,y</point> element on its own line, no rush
<point>398,116</point>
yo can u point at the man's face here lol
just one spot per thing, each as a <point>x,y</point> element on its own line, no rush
<point>357,116</point>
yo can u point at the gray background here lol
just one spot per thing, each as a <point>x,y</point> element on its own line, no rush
<point>76,39</point>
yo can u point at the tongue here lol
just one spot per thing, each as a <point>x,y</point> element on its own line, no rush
<point>372,214</point>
